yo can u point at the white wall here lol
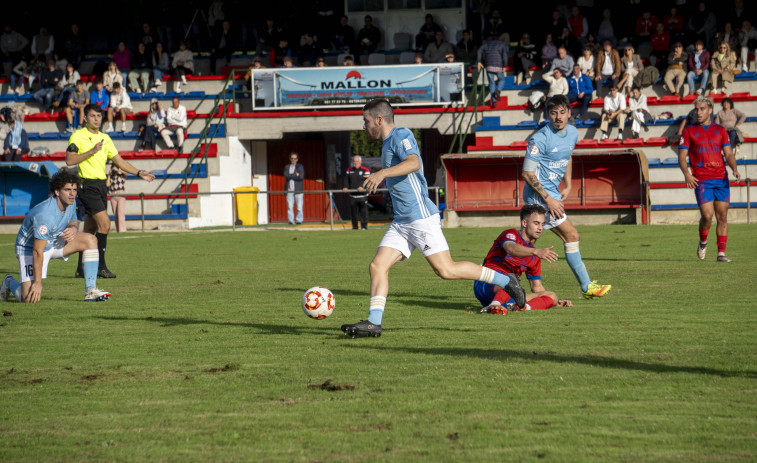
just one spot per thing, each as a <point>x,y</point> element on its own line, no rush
<point>235,170</point>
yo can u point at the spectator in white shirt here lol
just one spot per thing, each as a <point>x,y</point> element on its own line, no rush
<point>120,104</point>
<point>176,123</point>
<point>614,110</point>
<point>637,108</point>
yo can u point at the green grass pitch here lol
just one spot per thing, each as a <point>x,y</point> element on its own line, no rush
<point>204,354</point>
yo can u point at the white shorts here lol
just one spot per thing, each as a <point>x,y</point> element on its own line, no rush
<point>424,234</point>
<point>26,261</point>
<point>549,221</point>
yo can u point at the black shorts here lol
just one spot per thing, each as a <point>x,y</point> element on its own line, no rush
<point>94,196</point>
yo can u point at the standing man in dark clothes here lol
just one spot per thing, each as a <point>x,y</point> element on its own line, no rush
<point>353,180</point>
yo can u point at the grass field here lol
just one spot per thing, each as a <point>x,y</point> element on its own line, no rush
<point>203,354</point>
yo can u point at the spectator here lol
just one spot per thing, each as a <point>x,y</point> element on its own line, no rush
<point>703,25</point>
<point>436,50</point>
<point>320,62</point>
<point>12,46</point>
<point>122,58</point>
<point>294,175</point>
<point>731,118</point>
<point>120,104</point>
<point>43,44</point>
<point>639,112</point>
<point>731,37</point>
<point>288,62</point>
<point>558,85</point>
<point>580,89</point>
<point>100,95</point>
<point>495,26</point>
<point>353,180</point>
<point>67,85</point>
<point>614,110</point>
<point>607,66</point>
<point>606,30</point>
<point>586,62</point>
<point>548,52</point>
<point>631,65</point>
<point>176,123</point>
<point>465,50</point>
<point>660,42</point>
<point>699,66</point>
<point>48,81</point>
<point>60,62</point>
<point>737,13</point>
<point>161,65</point>
<point>578,25</point>
<point>74,46</point>
<point>148,38</point>
<point>427,33</point>
<point>646,24</point>
<point>567,41</point>
<point>309,51</point>
<point>676,73</point>
<point>345,35</point>
<point>155,122</point>
<point>525,57</point>
<point>74,110</point>
<point>223,46</point>
<point>257,63</point>
<point>117,186</point>
<point>112,76</point>
<point>141,69</point>
<point>276,58</point>
<point>747,41</point>
<point>492,56</point>
<point>183,64</point>
<point>268,37</point>
<point>35,70</point>
<point>592,44</point>
<point>673,23</point>
<point>563,61</point>
<point>722,65</point>
<point>16,143</point>
<point>368,37</point>
<point>350,61</point>
<point>19,73</point>
<point>557,24</point>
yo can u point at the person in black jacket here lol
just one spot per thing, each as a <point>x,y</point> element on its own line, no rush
<point>353,180</point>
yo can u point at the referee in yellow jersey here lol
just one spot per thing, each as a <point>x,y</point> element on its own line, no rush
<point>91,149</point>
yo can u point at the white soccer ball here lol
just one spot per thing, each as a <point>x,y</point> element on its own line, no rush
<point>318,302</point>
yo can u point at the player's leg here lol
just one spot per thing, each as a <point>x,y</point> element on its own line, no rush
<point>721,214</point>
<point>86,244</point>
<point>706,201</point>
<point>570,237</point>
<point>22,290</point>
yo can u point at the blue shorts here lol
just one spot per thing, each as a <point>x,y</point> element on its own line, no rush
<point>713,190</point>
<point>484,292</point>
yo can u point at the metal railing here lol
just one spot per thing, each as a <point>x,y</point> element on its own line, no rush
<point>475,99</point>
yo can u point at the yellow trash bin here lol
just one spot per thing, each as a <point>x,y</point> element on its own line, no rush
<point>247,205</point>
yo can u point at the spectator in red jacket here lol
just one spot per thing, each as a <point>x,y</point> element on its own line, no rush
<point>645,27</point>
<point>660,43</point>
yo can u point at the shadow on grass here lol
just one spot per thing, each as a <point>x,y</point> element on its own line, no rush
<point>592,360</point>
<point>266,329</point>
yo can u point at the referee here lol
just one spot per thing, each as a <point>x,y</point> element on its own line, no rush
<point>91,149</point>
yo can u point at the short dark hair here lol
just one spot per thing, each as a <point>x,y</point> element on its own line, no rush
<point>557,101</point>
<point>727,100</point>
<point>92,107</point>
<point>380,107</point>
<point>62,178</point>
<point>528,209</point>
<point>116,85</point>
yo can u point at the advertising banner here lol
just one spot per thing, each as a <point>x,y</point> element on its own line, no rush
<point>347,86</point>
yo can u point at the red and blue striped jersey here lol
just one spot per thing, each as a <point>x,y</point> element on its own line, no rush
<point>705,144</point>
<point>498,259</point>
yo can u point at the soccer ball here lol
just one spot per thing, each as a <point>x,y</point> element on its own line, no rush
<point>318,302</point>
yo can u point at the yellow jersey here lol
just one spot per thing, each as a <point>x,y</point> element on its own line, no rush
<point>94,166</point>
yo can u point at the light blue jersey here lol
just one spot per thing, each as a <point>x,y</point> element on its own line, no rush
<point>551,151</point>
<point>409,192</point>
<point>44,222</point>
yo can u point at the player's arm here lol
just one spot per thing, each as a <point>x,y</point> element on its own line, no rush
<point>568,180</point>
<point>70,231</point>
<point>518,250</point>
<point>73,157</point>
<point>35,289</point>
<point>691,181</point>
<point>126,166</point>
<point>556,207</point>
<point>730,158</point>
<point>408,165</point>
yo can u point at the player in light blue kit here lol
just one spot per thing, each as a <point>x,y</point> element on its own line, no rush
<point>416,221</point>
<point>50,231</point>
<point>547,164</point>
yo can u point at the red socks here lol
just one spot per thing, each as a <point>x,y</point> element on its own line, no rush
<point>703,235</point>
<point>541,303</point>
<point>722,240</point>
